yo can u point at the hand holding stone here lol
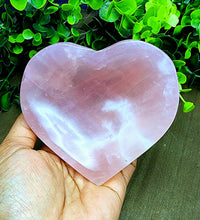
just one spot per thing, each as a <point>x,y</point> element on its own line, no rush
<point>39,185</point>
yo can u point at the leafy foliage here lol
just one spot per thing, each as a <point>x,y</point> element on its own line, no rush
<point>27,26</point>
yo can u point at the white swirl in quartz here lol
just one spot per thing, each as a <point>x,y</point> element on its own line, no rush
<point>125,111</point>
<point>164,66</point>
<point>76,142</point>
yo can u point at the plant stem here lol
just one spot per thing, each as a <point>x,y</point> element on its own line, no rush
<point>7,77</point>
<point>181,97</point>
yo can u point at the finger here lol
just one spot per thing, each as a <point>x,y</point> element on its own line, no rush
<point>20,135</point>
<point>119,182</point>
<point>47,149</point>
<point>128,171</point>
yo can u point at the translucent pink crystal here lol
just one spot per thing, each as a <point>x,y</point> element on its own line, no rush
<point>99,111</point>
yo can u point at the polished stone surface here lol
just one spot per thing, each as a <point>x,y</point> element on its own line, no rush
<point>99,111</point>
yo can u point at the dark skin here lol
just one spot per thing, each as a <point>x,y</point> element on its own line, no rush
<point>38,185</point>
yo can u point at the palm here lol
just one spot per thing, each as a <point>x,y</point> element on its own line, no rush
<point>44,186</point>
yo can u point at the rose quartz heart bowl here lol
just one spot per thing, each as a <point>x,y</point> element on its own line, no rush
<point>100,110</point>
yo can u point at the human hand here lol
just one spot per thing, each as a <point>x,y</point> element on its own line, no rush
<point>38,185</point>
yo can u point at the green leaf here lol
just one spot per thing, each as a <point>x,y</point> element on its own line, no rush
<point>51,10</point>
<point>137,27</point>
<point>181,78</point>
<point>146,34</point>
<point>3,16</point>
<point>19,4</point>
<point>39,28</point>
<point>195,14</point>
<point>98,44</point>
<point>50,32</point>
<point>2,2</point>
<point>155,41</point>
<point>11,39</point>
<point>38,3</point>
<point>173,20</point>
<point>5,101</point>
<point>37,37</point>
<point>136,36</point>
<point>18,49</point>
<point>155,24</point>
<point>89,37</point>
<point>167,26</point>
<point>188,39</point>
<point>71,19</point>
<point>177,29</point>
<point>8,18</point>
<point>44,19</point>
<point>179,63</point>
<point>27,34</point>
<point>180,42</point>
<point>185,90</point>
<point>32,53</point>
<point>75,33</point>
<point>63,31</point>
<point>195,23</point>
<point>127,7</point>
<point>75,3</point>
<point>108,12</point>
<point>67,7</point>
<point>55,38</point>
<point>162,12</point>
<point>149,13</point>
<point>185,21</point>
<point>126,33</point>
<point>127,22</point>
<point>95,4</point>
<point>77,14</point>
<point>20,38</point>
<point>53,3</point>
<point>188,106</point>
<point>36,43</point>
<point>187,53</point>
<point>194,44</point>
<point>3,40</point>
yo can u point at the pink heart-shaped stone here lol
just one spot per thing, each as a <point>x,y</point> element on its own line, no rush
<point>99,111</point>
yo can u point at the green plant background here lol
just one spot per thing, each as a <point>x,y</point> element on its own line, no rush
<point>173,26</point>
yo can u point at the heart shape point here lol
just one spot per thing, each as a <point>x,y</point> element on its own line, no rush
<point>100,110</point>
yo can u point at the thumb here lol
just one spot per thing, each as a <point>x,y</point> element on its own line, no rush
<point>20,136</point>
